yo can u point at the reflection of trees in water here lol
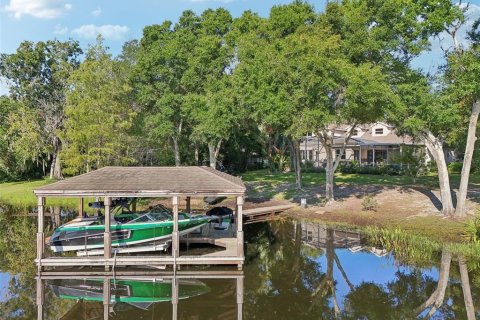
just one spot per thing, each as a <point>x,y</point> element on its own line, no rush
<point>280,278</point>
<point>17,254</point>
<point>22,301</point>
<point>459,293</point>
<point>285,280</point>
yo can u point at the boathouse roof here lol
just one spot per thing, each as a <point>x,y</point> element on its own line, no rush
<point>145,182</point>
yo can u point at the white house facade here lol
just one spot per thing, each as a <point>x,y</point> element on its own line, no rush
<point>370,144</point>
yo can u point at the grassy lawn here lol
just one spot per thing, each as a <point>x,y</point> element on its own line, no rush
<point>282,185</point>
<point>313,178</point>
<point>20,194</point>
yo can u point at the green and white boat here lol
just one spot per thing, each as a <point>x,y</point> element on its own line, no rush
<point>149,230</point>
<point>141,293</point>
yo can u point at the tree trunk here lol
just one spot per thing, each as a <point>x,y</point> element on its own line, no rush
<point>329,175</point>
<point>197,157</point>
<point>436,299</point>
<point>467,292</point>
<point>271,161</point>
<point>333,160</point>
<point>211,154</point>
<point>460,211</point>
<point>297,161</point>
<point>176,150</point>
<point>435,146</point>
<point>55,167</point>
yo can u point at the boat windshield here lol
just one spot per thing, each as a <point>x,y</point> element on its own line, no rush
<point>157,213</point>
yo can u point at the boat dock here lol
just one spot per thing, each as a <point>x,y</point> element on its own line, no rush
<point>98,292</point>
<point>176,183</point>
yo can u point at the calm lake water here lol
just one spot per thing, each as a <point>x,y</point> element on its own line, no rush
<point>294,270</point>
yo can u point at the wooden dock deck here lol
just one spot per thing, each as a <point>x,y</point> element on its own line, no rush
<point>264,213</point>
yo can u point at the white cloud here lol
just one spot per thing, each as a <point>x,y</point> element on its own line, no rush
<point>43,9</point>
<point>96,12</point>
<point>60,30</point>
<point>108,31</point>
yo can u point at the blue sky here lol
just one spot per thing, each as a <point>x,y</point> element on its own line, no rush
<point>122,20</point>
<point>366,267</point>
<point>118,20</point>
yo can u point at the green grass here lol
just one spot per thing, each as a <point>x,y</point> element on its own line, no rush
<point>282,185</point>
<point>416,248</point>
<point>312,178</point>
<point>20,195</point>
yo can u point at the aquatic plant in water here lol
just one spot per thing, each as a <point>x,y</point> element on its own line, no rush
<point>406,247</point>
<point>472,229</point>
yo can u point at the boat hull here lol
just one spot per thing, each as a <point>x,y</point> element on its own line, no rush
<point>138,292</point>
<point>122,235</point>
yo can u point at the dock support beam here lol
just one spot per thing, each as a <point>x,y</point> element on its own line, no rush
<point>106,297</point>
<point>239,209</point>
<point>133,207</point>
<point>175,235</point>
<point>40,234</point>
<point>107,238</point>
<point>80,208</point>
<point>40,298</point>
<point>188,208</point>
<point>174,298</point>
<point>240,298</point>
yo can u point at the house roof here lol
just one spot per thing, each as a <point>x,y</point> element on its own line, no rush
<point>392,138</point>
<point>365,140</point>
<point>146,181</point>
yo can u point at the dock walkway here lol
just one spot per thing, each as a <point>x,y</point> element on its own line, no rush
<point>264,213</point>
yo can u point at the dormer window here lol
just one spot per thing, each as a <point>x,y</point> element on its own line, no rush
<point>379,131</point>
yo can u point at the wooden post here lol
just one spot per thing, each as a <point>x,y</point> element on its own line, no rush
<point>107,239</point>
<point>239,228</point>
<point>174,298</point>
<point>188,208</point>
<point>40,298</point>
<point>97,211</point>
<point>40,234</point>
<point>175,236</point>
<point>106,297</point>
<point>134,205</point>
<point>240,298</point>
<point>80,208</point>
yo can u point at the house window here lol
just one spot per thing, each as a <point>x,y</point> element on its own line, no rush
<point>379,131</point>
<point>337,153</point>
<point>355,133</point>
<point>356,155</point>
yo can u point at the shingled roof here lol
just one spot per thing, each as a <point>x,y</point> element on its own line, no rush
<point>146,181</point>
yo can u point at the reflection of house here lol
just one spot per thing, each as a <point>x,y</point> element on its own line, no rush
<point>376,143</point>
<point>316,235</point>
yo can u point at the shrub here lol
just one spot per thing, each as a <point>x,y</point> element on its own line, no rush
<point>349,167</point>
<point>472,229</point>
<point>413,162</point>
<point>369,203</point>
<point>455,167</point>
<point>309,166</point>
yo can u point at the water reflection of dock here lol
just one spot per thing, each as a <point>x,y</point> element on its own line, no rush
<point>316,235</point>
<point>135,293</point>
